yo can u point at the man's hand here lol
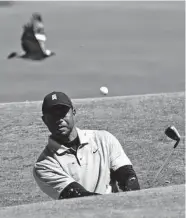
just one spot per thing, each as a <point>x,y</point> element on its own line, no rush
<point>132,184</point>
<point>126,178</point>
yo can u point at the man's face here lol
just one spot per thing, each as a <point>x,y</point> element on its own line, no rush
<point>59,120</point>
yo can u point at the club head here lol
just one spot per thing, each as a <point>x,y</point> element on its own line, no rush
<point>172,133</point>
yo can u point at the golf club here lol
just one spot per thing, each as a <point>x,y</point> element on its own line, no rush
<point>173,134</point>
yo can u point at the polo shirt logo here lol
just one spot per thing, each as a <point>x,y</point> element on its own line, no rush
<point>54,97</point>
<point>95,151</point>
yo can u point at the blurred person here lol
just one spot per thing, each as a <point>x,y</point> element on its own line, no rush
<point>34,38</point>
<point>79,162</point>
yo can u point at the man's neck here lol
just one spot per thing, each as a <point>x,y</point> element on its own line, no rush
<point>67,141</point>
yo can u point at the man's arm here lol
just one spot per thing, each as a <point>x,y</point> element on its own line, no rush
<point>126,178</point>
<point>74,190</point>
<point>56,183</point>
<point>121,166</point>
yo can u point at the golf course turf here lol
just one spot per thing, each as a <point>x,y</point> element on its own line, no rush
<point>138,123</point>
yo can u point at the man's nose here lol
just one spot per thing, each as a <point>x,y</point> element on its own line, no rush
<point>61,121</point>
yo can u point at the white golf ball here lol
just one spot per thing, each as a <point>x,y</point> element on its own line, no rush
<point>104,90</point>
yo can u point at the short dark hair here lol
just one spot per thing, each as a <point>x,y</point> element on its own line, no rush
<point>37,16</point>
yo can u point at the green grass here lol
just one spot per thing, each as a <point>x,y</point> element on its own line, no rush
<point>157,202</point>
<point>138,123</point>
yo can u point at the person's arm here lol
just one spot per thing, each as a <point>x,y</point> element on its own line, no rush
<point>38,28</point>
<point>121,166</point>
<point>56,183</point>
<point>74,190</point>
<point>127,179</point>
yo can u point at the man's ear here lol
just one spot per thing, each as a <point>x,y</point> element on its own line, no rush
<point>74,111</point>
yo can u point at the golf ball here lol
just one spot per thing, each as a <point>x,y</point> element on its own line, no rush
<point>104,90</point>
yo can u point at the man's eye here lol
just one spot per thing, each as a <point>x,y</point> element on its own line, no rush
<point>58,116</point>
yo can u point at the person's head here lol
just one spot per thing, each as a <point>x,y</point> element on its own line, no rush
<point>58,114</point>
<point>37,17</point>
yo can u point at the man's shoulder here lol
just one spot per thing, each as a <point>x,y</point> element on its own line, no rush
<point>45,154</point>
<point>96,133</point>
<point>102,133</point>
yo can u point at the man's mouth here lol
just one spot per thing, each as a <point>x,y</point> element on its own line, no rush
<point>62,128</point>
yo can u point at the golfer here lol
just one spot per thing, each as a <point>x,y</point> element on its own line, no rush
<point>78,162</point>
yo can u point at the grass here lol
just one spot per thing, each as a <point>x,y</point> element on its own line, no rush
<point>138,123</point>
<point>157,202</point>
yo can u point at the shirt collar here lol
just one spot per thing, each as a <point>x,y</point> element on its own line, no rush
<point>58,148</point>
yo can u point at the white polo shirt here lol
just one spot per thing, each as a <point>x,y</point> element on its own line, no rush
<point>99,151</point>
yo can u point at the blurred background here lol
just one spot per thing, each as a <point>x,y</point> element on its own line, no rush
<point>129,47</point>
